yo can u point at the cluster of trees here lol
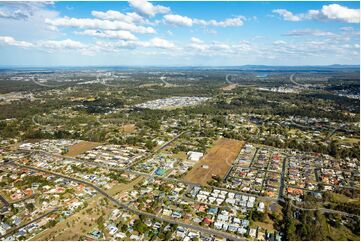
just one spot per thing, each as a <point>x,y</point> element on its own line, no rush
<point>310,105</point>
<point>316,226</point>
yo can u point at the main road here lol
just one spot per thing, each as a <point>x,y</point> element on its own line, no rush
<point>138,173</point>
<point>4,201</point>
<point>26,224</point>
<point>127,207</point>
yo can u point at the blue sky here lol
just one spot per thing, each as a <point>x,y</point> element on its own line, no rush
<point>179,33</point>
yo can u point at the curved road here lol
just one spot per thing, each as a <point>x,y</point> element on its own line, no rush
<point>26,224</point>
<point>324,210</point>
<point>152,176</point>
<point>138,212</point>
<point>294,82</point>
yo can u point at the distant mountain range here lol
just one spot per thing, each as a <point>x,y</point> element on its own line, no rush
<point>260,68</point>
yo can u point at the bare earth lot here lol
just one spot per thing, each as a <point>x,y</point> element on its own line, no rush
<point>129,128</point>
<point>218,159</point>
<point>229,87</point>
<point>81,148</point>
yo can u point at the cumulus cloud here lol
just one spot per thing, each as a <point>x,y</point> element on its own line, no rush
<point>115,15</point>
<point>329,12</point>
<point>11,41</point>
<point>218,48</point>
<point>196,40</point>
<point>16,14</point>
<point>20,10</point>
<point>229,22</point>
<point>119,34</point>
<point>159,43</point>
<point>311,32</point>
<point>198,44</point>
<point>179,20</point>
<point>45,45</point>
<point>89,23</point>
<point>146,8</point>
<point>279,42</point>
<point>287,15</point>
<point>26,20</point>
<point>152,43</point>
<point>61,44</point>
<point>336,12</point>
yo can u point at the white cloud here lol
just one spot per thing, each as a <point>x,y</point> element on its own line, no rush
<point>329,12</point>
<point>119,34</point>
<point>61,44</point>
<point>11,41</point>
<point>159,43</point>
<point>279,42</point>
<point>311,32</point>
<point>347,28</point>
<point>144,7</point>
<point>20,10</point>
<point>211,31</point>
<point>287,15</point>
<point>229,22</point>
<point>336,12</point>
<point>152,43</point>
<point>196,40</point>
<point>115,15</point>
<point>186,21</point>
<point>178,20</point>
<point>48,45</point>
<point>26,20</point>
<point>16,14</point>
<point>218,48</point>
<point>89,23</point>
<point>198,44</point>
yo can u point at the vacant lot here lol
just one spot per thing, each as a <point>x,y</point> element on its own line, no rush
<point>81,148</point>
<point>129,128</point>
<point>229,87</point>
<point>218,159</point>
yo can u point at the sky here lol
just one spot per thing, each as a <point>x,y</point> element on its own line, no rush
<point>163,33</point>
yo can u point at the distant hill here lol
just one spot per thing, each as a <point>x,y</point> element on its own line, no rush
<point>259,68</point>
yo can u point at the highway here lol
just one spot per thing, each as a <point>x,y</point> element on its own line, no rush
<point>126,207</point>
<point>293,81</point>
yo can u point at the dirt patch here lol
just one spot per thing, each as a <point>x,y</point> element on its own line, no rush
<point>229,87</point>
<point>268,225</point>
<point>216,163</point>
<point>129,128</point>
<point>149,85</point>
<point>81,147</point>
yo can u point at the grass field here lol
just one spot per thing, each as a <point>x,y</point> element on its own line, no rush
<point>218,159</point>
<point>81,148</point>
